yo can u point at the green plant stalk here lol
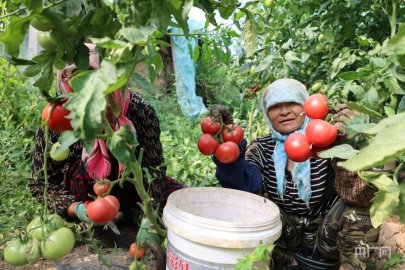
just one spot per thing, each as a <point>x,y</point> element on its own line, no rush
<point>137,181</point>
<point>45,163</point>
<point>393,20</point>
<point>24,8</point>
<point>250,122</point>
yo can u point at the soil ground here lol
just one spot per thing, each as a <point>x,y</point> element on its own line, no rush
<point>392,235</point>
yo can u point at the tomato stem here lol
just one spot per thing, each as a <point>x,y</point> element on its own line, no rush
<point>45,163</point>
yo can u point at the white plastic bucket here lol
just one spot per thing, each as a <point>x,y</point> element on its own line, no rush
<point>211,228</point>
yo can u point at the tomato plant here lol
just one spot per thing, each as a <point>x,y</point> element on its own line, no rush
<point>58,244</point>
<point>101,187</point>
<point>103,210</point>
<point>227,152</point>
<point>58,155</point>
<point>58,121</point>
<point>232,132</point>
<point>320,133</point>
<point>210,125</point>
<point>39,228</point>
<point>136,251</point>
<point>316,106</point>
<point>297,147</point>
<point>207,144</point>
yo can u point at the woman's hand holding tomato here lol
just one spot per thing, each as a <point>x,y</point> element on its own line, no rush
<point>220,139</point>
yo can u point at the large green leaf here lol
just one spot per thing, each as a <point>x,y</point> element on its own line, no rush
<point>46,59</point>
<point>397,43</point>
<point>122,144</point>
<point>385,204</point>
<point>66,139</point>
<point>15,34</point>
<point>380,180</point>
<point>385,146</point>
<point>363,109</point>
<point>385,123</point>
<point>342,151</point>
<point>138,35</point>
<point>250,36</point>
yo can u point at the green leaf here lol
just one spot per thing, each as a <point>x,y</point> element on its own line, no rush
<point>66,139</point>
<point>82,56</point>
<point>15,34</point>
<point>385,146</point>
<point>137,35</point>
<point>108,43</point>
<point>397,43</point>
<point>180,10</point>
<point>250,36</point>
<point>157,62</point>
<point>385,123</point>
<point>88,102</point>
<point>389,111</point>
<point>33,70</point>
<point>342,151</point>
<point>384,206</point>
<point>380,180</point>
<point>402,202</point>
<point>143,83</point>
<point>122,144</point>
<point>35,5</point>
<point>355,75</point>
<point>363,109</point>
<point>46,60</point>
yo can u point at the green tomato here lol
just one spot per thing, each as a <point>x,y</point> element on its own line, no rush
<point>58,155</point>
<point>321,37</point>
<point>39,229</point>
<point>15,253</point>
<point>45,41</point>
<point>316,86</point>
<point>58,244</point>
<point>41,23</point>
<point>268,3</point>
<point>252,69</point>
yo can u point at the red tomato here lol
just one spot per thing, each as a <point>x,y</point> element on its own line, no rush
<point>316,106</point>
<point>232,132</point>
<point>103,210</point>
<point>210,125</point>
<point>227,152</point>
<point>207,144</point>
<point>58,121</point>
<point>136,251</point>
<point>297,147</point>
<point>101,187</point>
<point>320,133</point>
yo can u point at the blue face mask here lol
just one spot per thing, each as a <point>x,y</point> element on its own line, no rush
<point>288,90</point>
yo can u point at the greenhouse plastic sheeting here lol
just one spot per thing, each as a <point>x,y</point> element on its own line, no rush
<point>191,105</point>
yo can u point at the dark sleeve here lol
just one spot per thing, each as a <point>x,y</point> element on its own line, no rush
<point>240,174</point>
<point>147,127</point>
<point>59,198</point>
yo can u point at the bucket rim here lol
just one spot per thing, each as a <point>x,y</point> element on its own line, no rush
<point>221,224</point>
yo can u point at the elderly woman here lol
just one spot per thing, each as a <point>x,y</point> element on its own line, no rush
<point>304,192</point>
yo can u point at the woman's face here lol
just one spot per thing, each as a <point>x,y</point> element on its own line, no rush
<point>286,117</point>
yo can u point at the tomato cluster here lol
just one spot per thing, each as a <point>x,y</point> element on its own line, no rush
<point>47,237</point>
<point>319,134</point>
<point>220,139</point>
